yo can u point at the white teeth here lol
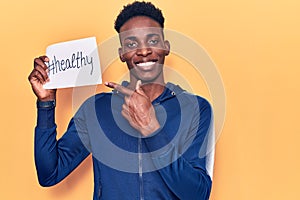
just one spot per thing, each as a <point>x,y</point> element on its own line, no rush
<point>145,64</point>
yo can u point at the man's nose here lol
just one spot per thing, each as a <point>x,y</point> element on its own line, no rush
<point>144,51</point>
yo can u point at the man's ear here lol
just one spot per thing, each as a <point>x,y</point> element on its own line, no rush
<point>120,50</point>
<point>167,47</point>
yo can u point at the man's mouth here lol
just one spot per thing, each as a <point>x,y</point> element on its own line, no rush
<point>145,64</point>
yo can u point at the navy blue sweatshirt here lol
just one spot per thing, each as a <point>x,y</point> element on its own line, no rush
<point>175,162</point>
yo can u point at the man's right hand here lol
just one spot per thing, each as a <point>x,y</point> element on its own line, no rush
<point>38,77</point>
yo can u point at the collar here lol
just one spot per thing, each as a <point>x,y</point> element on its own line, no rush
<point>171,90</point>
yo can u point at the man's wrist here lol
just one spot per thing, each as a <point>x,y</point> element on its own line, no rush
<point>150,128</point>
<point>46,104</point>
<point>46,114</point>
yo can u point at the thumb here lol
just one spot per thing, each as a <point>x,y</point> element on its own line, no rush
<point>138,87</point>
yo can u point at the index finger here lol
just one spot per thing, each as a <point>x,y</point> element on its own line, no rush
<point>119,88</point>
<point>41,61</point>
<point>44,58</point>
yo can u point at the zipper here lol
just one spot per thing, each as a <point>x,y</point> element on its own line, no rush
<point>140,168</point>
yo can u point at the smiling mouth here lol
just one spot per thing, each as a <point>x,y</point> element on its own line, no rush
<point>145,64</point>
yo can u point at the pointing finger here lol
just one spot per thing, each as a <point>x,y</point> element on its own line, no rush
<point>119,88</point>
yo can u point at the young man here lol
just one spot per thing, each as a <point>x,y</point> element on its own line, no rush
<point>149,139</point>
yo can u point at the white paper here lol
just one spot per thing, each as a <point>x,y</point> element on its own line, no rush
<point>73,63</point>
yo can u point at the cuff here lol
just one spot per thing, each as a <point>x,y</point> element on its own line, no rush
<point>45,114</point>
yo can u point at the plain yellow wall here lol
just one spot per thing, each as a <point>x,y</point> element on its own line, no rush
<point>255,45</point>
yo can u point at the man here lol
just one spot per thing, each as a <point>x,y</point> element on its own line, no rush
<point>149,139</point>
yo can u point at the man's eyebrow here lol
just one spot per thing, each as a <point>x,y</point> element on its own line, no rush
<point>135,38</point>
<point>152,35</point>
<point>130,38</point>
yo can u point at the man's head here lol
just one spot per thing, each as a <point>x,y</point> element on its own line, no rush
<point>143,48</point>
<point>139,9</point>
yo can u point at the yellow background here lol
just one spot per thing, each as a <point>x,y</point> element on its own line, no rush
<point>255,45</point>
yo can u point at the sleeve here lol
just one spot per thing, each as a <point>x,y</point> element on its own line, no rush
<point>189,174</point>
<point>55,159</point>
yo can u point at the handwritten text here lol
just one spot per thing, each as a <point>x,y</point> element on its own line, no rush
<point>77,60</point>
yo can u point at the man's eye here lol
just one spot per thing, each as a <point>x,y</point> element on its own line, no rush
<point>131,45</point>
<point>153,42</point>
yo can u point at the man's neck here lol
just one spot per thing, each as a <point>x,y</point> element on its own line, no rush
<point>152,90</point>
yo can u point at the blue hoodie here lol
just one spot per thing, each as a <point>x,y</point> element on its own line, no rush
<point>175,162</point>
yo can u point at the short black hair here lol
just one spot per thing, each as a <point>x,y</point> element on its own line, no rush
<point>138,8</point>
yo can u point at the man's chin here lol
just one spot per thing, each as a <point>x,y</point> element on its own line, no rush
<point>148,80</point>
<point>147,76</point>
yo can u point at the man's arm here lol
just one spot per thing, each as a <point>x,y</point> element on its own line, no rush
<point>187,175</point>
<point>54,159</point>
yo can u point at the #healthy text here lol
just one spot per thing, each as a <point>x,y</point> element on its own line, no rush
<point>77,60</point>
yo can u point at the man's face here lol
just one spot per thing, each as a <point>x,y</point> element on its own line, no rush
<point>143,48</point>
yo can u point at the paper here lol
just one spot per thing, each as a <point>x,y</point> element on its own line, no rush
<point>73,63</point>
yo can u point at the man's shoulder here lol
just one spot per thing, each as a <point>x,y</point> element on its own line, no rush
<point>186,100</point>
<point>189,96</point>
